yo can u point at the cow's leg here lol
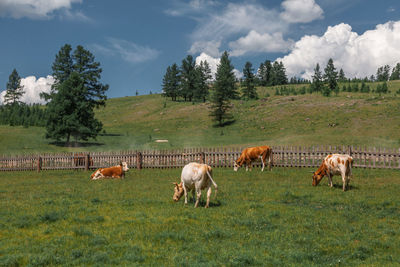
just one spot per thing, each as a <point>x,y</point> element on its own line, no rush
<point>262,162</point>
<point>198,194</point>
<point>193,195</point>
<point>330,180</point>
<point>208,196</point>
<point>185,193</point>
<point>344,180</point>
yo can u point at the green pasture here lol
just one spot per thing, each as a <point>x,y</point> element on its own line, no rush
<point>258,219</point>
<point>136,122</point>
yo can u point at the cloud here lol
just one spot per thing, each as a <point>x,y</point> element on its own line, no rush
<point>33,87</point>
<point>358,55</point>
<point>260,43</point>
<point>194,6</point>
<point>213,62</point>
<point>208,47</point>
<point>301,11</point>
<point>238,19</point>
<point>37,9</point>
<point>128,51</point>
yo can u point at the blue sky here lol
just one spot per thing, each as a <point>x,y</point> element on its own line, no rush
<point>135,41</point>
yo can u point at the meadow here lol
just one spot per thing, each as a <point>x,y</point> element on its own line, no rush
<point>136,122</point>
<point>258,219</point>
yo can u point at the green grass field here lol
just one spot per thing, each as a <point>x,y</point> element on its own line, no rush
<point>258,219</point>
<point>137,122</point>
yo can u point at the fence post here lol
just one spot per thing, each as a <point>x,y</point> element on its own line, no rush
<point>87,160</point>
<point>39,164</point>
<point>139,160</point>
<point>349,150</point>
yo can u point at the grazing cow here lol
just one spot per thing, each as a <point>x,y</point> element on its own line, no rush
<point>334,164</point>
<point>80,159</point>
<point>195,176</point>
<point>111,172</point>
<point>251,154</point>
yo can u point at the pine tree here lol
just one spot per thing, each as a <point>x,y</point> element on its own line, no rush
<point>189,78</point>
<point>248,84</point>
<point>171,82</point>
<point>224,90</point>
<point>382,74</point>
<point>317,84</point>
<point>330,77</point>
<point>342,77</point>
<point>204,78</point>
<point>14,89</point>
<point>75,94</point>
<point>395,73</point>
<point>264,73</point>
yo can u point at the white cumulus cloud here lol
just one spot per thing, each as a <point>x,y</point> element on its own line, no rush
<point>208,47</point>
<point>260,43</point>
<point>36,9</point>
<point>213,62</point>
<point>32,88</point>
<point>358,55</point>
<point>301,11</point>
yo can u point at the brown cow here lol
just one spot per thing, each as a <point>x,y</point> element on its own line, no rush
<point>111,172</point>
<point>334,164</point>
<point>251,154</point>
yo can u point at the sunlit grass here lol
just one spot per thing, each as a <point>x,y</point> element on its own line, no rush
<point>266,219</point>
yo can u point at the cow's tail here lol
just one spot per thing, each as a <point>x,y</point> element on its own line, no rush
<point>270,158</point>
<point>215,185</point>
<point>349,165</point>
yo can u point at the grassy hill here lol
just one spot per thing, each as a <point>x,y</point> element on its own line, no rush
<point>137,122</point>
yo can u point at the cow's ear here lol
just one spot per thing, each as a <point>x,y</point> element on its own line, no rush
<point>176,184</point>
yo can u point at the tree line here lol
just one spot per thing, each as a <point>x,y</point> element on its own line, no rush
<point>69,112</point>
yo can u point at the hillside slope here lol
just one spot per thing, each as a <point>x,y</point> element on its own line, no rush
<point>137,122</point>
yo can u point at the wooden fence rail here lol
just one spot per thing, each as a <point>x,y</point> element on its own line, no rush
<point>283,156</point>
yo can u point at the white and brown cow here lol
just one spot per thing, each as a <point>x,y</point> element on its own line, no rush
<point>334,164</point>
<point>251,154</point>
<point>111,172</point>
<point>195,177</point>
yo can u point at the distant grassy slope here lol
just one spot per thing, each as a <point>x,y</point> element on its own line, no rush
<point>136,122</point>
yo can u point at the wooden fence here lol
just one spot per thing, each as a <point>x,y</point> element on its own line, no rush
<point>283,156</point>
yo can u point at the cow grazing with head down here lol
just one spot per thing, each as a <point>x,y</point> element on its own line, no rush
<point>111,172</point>
<point>334,164</point>
<point>195,177</point>
<point>251,154</point>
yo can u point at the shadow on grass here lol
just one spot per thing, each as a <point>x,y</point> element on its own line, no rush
<point>349,187</point>
<point>75,144</point>
<point>226,123</point>
<point>110,134</point>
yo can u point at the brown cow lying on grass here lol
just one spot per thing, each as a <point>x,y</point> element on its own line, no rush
<point>111,172</point>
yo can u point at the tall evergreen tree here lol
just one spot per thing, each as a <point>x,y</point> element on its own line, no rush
<point>14,89</point>
<point>341,77</point>
<point>171,82</point>
<point>264,73</point>
<point>383,73</point>
<point>248,85</point>
<point>224,90</point>
<point>395,72</point>
<point>204,78</point>
<point>317,83</point>
<point>330,77</point>
<point>75,93</point>
<point>189,78</point>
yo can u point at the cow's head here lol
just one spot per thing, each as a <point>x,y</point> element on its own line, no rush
<point>236,165</point>
<point>178,191</point>
<point>317,177</point>
<point>124,166</point>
